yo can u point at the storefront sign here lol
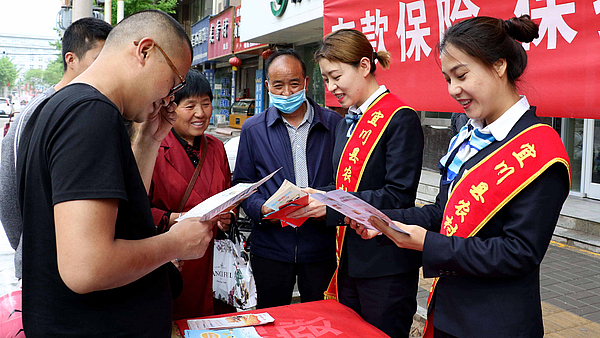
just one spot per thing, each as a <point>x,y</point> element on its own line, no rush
<point>563,74</point>
<point>238,45</point>
<point>219,34</point>
<point>301,22</point>
<point>200,41</point>
<point>210,76</point>
<point>278,6</point>
<point>259,83</point>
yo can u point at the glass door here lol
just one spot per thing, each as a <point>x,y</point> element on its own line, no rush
<point>593,160</point>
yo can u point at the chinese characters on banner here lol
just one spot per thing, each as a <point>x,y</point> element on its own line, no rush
<point>563,74</point>
<point>199,41</point>
<point>220,40</point>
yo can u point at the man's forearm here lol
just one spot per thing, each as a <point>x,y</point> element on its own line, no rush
<point>91,259</point>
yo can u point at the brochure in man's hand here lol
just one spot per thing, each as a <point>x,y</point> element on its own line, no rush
<point>225,200</point>
<point>353,207</point>
<point>285,200</point>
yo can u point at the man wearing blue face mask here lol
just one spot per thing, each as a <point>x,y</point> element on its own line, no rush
<point>297,135</point>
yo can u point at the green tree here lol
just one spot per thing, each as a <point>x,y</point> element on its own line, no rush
<point>134,6</point>
<point>34,77</point>
<point>54,71</point>
<point>57,44</point>
<point>8,72</point>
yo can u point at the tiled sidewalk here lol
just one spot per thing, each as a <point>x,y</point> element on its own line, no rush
<point>570,290</point>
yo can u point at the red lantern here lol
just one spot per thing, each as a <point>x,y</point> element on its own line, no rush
<point>267,53</point>
<point>235,61</point>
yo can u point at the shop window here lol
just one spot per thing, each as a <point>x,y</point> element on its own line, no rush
<point>436,119</point>
<point>571,131</point>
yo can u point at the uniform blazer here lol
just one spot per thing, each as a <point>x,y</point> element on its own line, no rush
<point>265,147</point>
<point>390,180</point>
<point>489,284</point>
<point>171,176</point>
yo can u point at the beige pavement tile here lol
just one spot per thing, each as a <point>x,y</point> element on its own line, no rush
<point>593,328</point>
<point>554,335</point>
<point>567,319</point>
<point>551,325</point>
<point>548,309</point>
<point>578,332</point>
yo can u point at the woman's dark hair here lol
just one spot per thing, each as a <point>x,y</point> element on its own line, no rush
<point>196,84</point>
<point>350,46</point>
<point>490,39</point>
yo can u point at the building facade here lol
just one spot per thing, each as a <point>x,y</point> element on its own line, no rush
<point>28,52</point>
<point>214,28</point>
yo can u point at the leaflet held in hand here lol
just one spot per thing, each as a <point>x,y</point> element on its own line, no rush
<point>285,200</point>
<point>225,200</point>
<point>355,208</point>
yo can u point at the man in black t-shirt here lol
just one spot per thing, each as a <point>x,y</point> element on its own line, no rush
<point>93,265</point>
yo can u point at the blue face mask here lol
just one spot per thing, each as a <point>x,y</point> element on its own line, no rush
<point>288,104</point>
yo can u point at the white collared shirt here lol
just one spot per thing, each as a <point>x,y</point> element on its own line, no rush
<point>363,107</point>
<point>502,126</point>
<point>298,140</point>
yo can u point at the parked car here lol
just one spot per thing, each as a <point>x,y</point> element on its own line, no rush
<point>5,107</point>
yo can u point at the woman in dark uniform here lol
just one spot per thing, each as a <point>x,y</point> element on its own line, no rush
<point>378,157</point>
<point>504,180</point>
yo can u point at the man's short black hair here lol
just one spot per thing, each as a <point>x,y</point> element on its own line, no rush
<point>82,35</point>
<point>152,23</point>
<point>196,85</point>
<point>291,52</point>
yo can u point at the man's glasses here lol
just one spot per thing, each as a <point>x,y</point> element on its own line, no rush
<point>170,63</point>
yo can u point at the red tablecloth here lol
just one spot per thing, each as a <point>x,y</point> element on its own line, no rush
<point>325,318</point>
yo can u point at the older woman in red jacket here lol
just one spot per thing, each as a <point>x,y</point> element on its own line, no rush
<point>178,157</point>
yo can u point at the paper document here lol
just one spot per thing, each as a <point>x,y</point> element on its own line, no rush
<point>230,322</point>
<point>285,200</point>
<point>353,207</point>
<point>225,200</point>
<point>242,332</point>
<point>285,194</point>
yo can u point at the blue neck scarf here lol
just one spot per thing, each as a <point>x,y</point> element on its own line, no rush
<point>468,142</point>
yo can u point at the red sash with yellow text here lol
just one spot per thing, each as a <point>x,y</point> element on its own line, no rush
<point>490,184</point>
<point>356,154</point>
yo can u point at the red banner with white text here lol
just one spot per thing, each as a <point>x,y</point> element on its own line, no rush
<point>563,73</point>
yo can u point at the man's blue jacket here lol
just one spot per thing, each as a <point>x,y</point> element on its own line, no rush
<point>264,147</point>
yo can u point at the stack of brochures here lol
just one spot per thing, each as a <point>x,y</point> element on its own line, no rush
<point>286,199</point>
<point>236,326</point>
<point>243,332</point>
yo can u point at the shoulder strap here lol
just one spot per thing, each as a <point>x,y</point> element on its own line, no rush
<point>190,186</point>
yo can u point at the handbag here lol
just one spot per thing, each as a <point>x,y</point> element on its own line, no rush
<point>233,281</point>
